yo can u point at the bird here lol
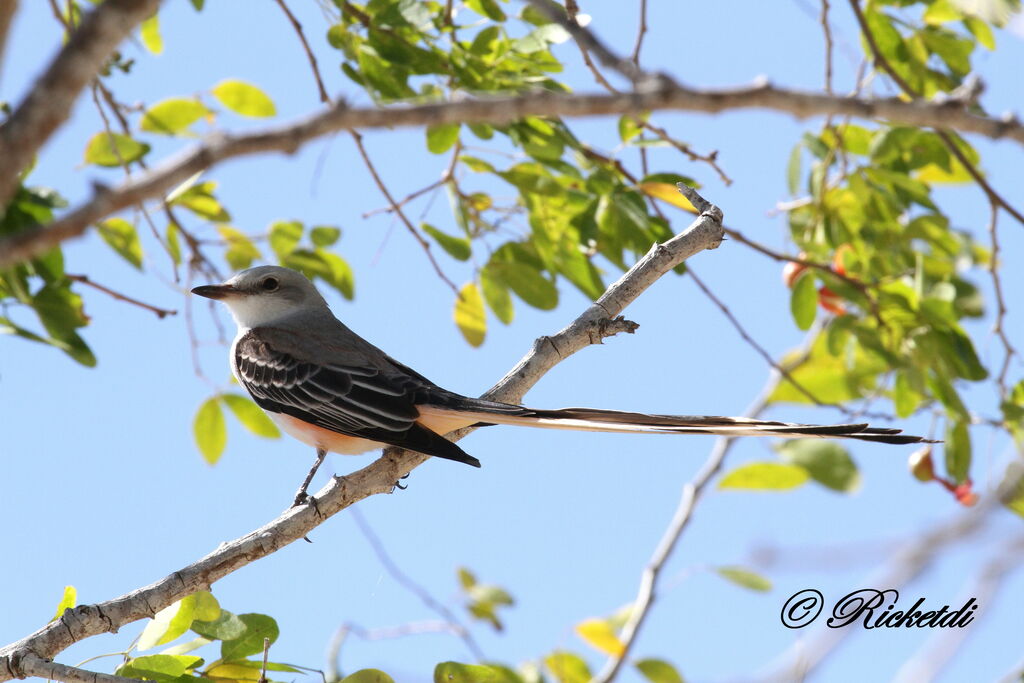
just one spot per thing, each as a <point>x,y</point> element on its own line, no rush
<point>323,384</point>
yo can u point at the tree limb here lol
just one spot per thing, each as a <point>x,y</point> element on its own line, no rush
<point>589,328</point>
<point>50,99</point>
<point>665,96</point>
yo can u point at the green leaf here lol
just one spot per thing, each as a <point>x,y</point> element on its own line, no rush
<point>793,169</point>
<point>567,667</point>
<point>469,315</point>
<point>442,137</point>
<point>324,235</point>
<point>338,274</point>
<point>454,672</point>
<point>251,416</point>
<point>241,251</point>
<point>981,31</point>
<point>958,450</point>
<point>151,38</point>
<point>765,476</point>
<point>123,238</point>
<point>827,462</point>
<point>244,98</point>
<point>368,676</point>
<point>803,301</point>
<point>210,431</point>
<point>168,623</point>
<point>113,149</point>
<point>539,38</point>
<point>456,247</point>
<point>1013,498</point>
<point>528,283</point>
<point>68,600</point>
<point>496,295</point>
<point>257,627</point>
<point>487,8</point>
<point>629,127</point>
<point>284,237</point>
<point>226,626</point>
<point>206,607</point>
<point>199,199</point>
<point>172,116</point>
<point>904,398</point>
<point>745,577</point>
<point>658,671</point>
<point>163,668</point>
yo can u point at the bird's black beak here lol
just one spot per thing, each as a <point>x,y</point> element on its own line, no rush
<point>215,291</point>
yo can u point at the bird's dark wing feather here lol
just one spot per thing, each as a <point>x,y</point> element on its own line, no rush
<point>360,401</point>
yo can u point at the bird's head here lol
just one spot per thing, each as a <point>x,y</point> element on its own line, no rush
<point>264,294</point>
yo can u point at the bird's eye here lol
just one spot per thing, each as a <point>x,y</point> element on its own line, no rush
<point>270,284</point>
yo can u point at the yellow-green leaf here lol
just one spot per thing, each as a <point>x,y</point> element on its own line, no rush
<point>210,430</point>
<point>172,116</point>
<point>456,247</point>
<point>151,37</point>
<point>765,476</point>
<point>658,671</point>
<point>168,623</point>
<point>454,672</point>
<point>441,137</point>
<point>803,301</point>
<point>244,98</point>
<point>827,462</point>
<point>745,577</point>
<point>497,296</point>
<point>668,193</point>
<point>67,601</point>
<point>599,634</point>
<point>469,314</point>
<point>123,238</point>
<point>113,149</point>
<point>567,667</point>
<point>251,416</point>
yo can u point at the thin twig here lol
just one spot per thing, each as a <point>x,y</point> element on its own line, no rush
<point>7,11</point>
<point>324,97</point>
<point>827,29</point>
<point>333,670</point>
<point>410,585</point>
<point>882,62</point>
<point>999,327</point>
<point>399,212</point>
<point>85,280</point>
<point>691,494</point>
<point>640,33</point>
<point>31,665</point>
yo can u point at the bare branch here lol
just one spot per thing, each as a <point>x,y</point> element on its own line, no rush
<point>50,99</point>
<point>999,327</point>
<point>31,665</point>
<point>85,621</point>
<point>324,97</point>
<point>640,33</point>
<point>288,138</point>
<point>7,11</point>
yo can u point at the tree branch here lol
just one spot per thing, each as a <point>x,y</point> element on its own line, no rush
<point>288,138</point>
<point>50,99</point>
<point>7,11</point>
<point>31,665</point>
<point>589,328</point>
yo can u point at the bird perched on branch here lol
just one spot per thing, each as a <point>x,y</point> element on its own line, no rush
<point>333,390</point>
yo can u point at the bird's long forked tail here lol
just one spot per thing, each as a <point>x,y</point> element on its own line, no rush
<point>597,420</point>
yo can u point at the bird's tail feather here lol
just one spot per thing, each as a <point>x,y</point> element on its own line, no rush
<point>596,420</point>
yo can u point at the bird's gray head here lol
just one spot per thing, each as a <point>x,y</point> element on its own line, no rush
<point>265,294</point>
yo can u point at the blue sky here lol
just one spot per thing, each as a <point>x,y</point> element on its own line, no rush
<point>105,489</point>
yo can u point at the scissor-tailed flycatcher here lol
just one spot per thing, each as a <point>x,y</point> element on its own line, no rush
<point>330,388</point>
